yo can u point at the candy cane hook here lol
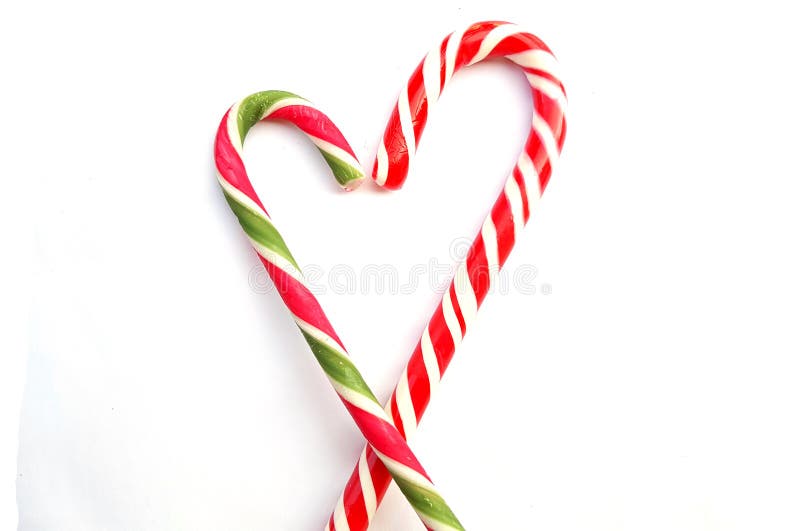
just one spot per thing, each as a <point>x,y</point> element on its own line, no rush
<point>375,424</point>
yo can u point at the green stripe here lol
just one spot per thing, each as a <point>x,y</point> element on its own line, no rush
<point>427,502</point>
<point>338,366</point>
<point>253,107</point>
<point>260,229</point>
<point>343,171</point>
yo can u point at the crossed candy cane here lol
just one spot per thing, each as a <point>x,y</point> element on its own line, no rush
<point>387,455</point>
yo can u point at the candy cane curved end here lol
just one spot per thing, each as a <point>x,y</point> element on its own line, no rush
<point>480,41</point>
<point>283,105</point>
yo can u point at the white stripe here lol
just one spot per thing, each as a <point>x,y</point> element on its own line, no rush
<point>531,179</point>
<point>286,102</point>
<point>405,406</point>
<point>233,128</point>
<point>335,151</point>
<point>278,261</point>
<point>405,123</point>
<point>242,198</point>
<point>451,53</point>
<point>340,516</point>
<point>388,409</point>
<point>406,472</point>
<point>367,488</point>
<point>465,294</point>
<point>492,39</point>
<point>529,176</point>
<point>360,401</point>
<point>451,319</point>
<point>431,74</point>
<point>489,235</point>
<point>320,336</point>
<point>547,137</point>
<point>549,89</point>
<point>429,357</point>
<point>383,164</point>
<point>233,118</point>
<point>538,59</point>
<point>514,197</point>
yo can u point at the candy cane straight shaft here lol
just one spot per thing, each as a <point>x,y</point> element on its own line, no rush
<point>376,425</point>
<point>489,251</point>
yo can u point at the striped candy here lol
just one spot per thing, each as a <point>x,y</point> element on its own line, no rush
<point>474,277</point>
<point>376,425</point>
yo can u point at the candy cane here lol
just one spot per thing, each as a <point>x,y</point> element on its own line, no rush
<point>376,425</point>
<point>474,276</point>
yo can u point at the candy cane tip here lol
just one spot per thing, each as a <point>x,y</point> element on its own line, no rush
<point>380,170</point>
<point>352,185</point>
<point>392,186</point>
<point>382,180</point>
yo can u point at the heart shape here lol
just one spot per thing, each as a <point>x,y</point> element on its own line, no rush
<point>387,455</point>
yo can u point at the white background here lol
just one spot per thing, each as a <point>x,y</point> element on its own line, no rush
<point>655,387</point>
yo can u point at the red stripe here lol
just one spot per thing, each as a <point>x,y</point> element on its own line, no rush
<point>300,301</point>
<point>397,152</point>
<point>354,504</point>
<point>517,43</point>
<point>313,122</point>
<point>418,384</point>
<point>441,339</point>
<point>562,134</point>
<point>471,42</point>
<point>230,165</point>
<point>504,227</point>
<point>380,475</point>
<point>443,62</point>
<point>478,269</point>
<point>398,420</point>
<point>417,102</point>
<point>457,309</point>
<point>550,110</point>
<point>559,133</point>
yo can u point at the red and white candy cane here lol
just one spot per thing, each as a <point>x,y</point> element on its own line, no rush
<point>375,424</point>
<point>501,229</point>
